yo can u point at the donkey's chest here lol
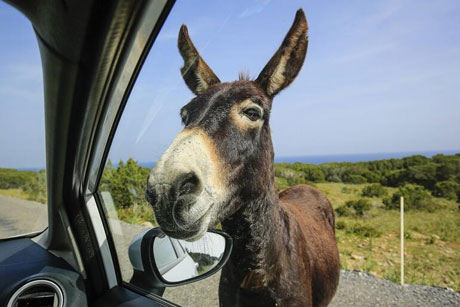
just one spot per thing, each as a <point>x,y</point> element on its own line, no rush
<point>259,288</point>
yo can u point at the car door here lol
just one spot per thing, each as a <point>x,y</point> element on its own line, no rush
<point>91,53</point>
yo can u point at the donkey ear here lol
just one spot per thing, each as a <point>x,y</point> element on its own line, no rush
<point>284,66</point>
<point>196,73</point>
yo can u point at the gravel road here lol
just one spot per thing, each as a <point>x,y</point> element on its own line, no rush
<point>355,288</point>
<point>18,216</point>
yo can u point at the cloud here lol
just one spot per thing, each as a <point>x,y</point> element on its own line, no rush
<point>21,81</point>
<point>387,12</point>
<point>168,35</point>
<point>359,54</point>
<point>253,10</point>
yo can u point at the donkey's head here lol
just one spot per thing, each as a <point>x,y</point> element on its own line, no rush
<point>223,159</point>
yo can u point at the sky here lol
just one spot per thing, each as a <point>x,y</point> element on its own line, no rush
<point>380,76</point>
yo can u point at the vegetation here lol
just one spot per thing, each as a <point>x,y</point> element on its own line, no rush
<point>354,208</point>
<point>415,197</point>
<point>365,197</point>
<point>374,190</point>
<point>371,242</point>
<point>27,185</point>
<point>126,184</point>
<point>440,174</point>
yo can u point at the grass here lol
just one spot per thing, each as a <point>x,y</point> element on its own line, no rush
<point>17,193</point>
<point>372,243</point>
<point>137,214</point>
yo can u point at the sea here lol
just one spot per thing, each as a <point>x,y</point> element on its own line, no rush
<point>362,157</point>
<point>320,159</point>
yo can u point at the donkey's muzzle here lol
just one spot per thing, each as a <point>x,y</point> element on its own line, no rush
<point>169,192</point>
<point>175,203</point>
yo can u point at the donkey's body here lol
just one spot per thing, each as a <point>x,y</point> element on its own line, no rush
<point>220,169</point>
<point>284,252</point>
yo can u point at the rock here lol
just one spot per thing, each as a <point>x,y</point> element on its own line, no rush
<point>357,257</point>
<point>147,224</point>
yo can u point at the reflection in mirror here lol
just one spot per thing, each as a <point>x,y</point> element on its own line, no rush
<point>179,260</point>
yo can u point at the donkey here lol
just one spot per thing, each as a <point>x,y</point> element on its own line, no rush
<point>220,168</point>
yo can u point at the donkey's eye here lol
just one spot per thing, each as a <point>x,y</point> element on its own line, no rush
<point>253,114</point>
<point>184,117</point>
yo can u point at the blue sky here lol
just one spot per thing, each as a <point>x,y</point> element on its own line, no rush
<point>380,76</point>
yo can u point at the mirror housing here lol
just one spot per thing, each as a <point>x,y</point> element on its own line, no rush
<point>151,270</point>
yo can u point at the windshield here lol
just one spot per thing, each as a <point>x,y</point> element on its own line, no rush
<point>371,117</point>
<point>22,130</point>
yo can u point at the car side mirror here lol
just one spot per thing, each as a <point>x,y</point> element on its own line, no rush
<point>161,261</point>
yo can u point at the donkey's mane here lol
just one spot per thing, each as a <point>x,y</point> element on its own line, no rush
<point>244,75</point>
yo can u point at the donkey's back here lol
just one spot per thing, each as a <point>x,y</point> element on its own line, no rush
<point>314,215</point>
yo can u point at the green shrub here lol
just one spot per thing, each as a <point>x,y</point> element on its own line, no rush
<point>312,173</point>
<point>364,231</point>
<point>371,176</point>
<point>31,182</point>
<point>374,190</point>
<point>333,178</point>
<point>446,189</point>
<point>340,225</point>
<point>354,208</point>
<point>343,211</point>
<point>359,206</point>
<point>281,183</point>
<point>296,180</point>
<point>126,183</point>
<point>415,198</point>
<point>346,190</point>
<point>415,160</point>
<point>353,178</point>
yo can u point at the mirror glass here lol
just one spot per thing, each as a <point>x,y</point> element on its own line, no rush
<point>180,260</point>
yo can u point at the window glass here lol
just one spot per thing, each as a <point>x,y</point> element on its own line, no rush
<point>372,116</point>
<point>23,201</point>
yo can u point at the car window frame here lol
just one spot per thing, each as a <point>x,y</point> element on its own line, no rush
<point>121,83</point>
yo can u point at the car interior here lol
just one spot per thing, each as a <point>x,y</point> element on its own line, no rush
<point>91,54</point>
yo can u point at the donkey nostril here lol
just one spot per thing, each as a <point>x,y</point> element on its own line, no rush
<point>188,184</point>
<point>150,195</point>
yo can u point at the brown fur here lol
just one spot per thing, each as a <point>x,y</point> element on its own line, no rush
<point>284,252</point>
<point>302,263</point>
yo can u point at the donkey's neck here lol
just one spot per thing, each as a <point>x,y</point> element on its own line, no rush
<point>258,228</point>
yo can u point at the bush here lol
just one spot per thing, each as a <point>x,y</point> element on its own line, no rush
<point>340,225</point>
<point>364,231</point>
<point>296,180</point>
<point>281,183</point>
<point>371,176</point>
<point>354,208</point>
<point>333,178</point>
<point>415,160</point>
<point>314,173</point>
<point>343,211</point>
<point>353,178</point>
<point>346,190</point>
<point>395,178</point>
<point>31,182</point>
<point>126,183</point>
<point>415,198</point>
<point>424,175</point>
<point>359,206</point>
<point>374,190</point>
<point>446,189</point>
